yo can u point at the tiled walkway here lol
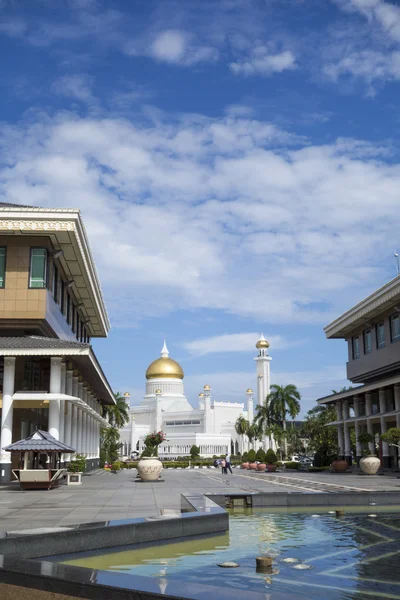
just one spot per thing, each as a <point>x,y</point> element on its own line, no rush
<point>104,496</point>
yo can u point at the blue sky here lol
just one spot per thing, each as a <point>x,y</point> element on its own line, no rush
<point>236,164</point>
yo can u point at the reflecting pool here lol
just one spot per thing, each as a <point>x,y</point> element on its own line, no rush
<point>353,556</point>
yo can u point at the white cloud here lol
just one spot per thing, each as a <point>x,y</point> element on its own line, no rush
<point>74,86</point>
<point>227,214</point>
<point>262,62</point>
<point>369,65</point>
<point>232,342</point>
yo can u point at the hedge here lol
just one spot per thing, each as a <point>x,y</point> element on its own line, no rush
<point>318,469</point>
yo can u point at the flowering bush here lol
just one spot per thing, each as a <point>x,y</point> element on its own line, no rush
<point>152,441</point>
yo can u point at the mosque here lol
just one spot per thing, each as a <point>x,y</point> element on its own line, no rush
<point>210,426</point>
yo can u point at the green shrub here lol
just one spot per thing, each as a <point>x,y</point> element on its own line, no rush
<point>77,464</point>
<point>116,466</point>
<point>278,463</point>
<point>194,451</point>
<point>293,465</point>
<point>260,455</point>
<point>271,457</point>
<point>318,469</point>
<point>252,455</point>
<point>245,457</point>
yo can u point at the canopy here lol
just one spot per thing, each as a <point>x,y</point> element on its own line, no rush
<point>39,441</point>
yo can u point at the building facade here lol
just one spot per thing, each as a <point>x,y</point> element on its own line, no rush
<point>51,306</point>
<point>210,426</point>
<point>371,330</point>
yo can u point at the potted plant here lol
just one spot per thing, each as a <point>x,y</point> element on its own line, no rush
<point>149,466</point>
<point>340,465</point>
<point>76,468</point>
<point>370,463</point>
<point>260,457</point>
<point>392,437</point>
<point>116,467</point>
<point>271,459</point>
<point>245,463</point>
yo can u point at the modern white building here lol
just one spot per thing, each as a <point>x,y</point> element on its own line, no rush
<point>210,426</point>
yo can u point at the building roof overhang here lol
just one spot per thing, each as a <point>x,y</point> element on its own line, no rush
<point>382,299</point>
<point>81,355</point>
<point>66,230</point>
<point>361,389</point>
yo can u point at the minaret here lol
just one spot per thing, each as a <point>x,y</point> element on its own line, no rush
<point>201,401</point>
<point>250,405</point>
<point>207,409</point>
<point>164,351</point>
<point>158,408</point>
<point>263,374</point>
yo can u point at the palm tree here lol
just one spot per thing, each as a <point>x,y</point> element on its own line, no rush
<point>283,401</point>
<point>242,427</point>
<point>344,389</point>
<point>254,432</point>
<point>264,420</point>
<point>118,413</point>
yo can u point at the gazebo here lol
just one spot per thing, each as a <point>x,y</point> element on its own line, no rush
<point>40,464</point>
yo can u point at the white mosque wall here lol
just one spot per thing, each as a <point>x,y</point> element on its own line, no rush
<point>166,385</point>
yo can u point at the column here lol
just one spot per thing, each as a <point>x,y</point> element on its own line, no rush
<point>339,414</point>
<point>358,445</point>
<point>347,444</point>
<point>80,419</point>
<point>85,424</point>
<point>397,399</point>
<point>370,429</point>
<point>356,404</point>
<point>368,403</point>
<point>385,445</point>
<point>55,388</point>
<point>133,434</point>
<point>7,418</point>
<point>68,410</point>
<point>158,410</point>
<point>62,404</point>
<point>382,400</point>
<point>74,413</point>
<point>345,409</point>
<point>340,440</point>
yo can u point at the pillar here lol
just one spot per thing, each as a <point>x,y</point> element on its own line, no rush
<point>382,400</point>
<point>356,404</point>
<point>74,413</point>
<point>358,445</point>
<point>7,418</point>
<point>339,414</point>
<point>345,409</point>
<point>79,438</point>
<point>347,443</point>
<point>370,429</point>
<point>340,440</point>
<point>158,411</point>
<point>385,446</point>
<point>250,406</point>
<point>62,404</point>
<point>133,434</point>
<point>55,388</point>
<point>368,403</point>
<point>397,399</point>
<point>68,410</point>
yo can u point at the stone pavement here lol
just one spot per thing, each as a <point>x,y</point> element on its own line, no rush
<point>104,496</point>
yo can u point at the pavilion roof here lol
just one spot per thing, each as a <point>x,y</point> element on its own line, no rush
<point>39,441</point>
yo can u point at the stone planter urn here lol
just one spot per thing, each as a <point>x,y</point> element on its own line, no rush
<point>74,478</point>
<point>261,467</point>
<point>370,465</point>
<point>271,468</point>
<point>253,466</point>
<point>339,465</point>
<point>149,468</point>
<point>245,465</point>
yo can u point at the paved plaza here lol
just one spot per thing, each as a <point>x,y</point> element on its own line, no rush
<point>104,496</point>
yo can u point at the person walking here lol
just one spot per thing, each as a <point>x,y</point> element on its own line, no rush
<point>223,465</point>
<point>228,463</point>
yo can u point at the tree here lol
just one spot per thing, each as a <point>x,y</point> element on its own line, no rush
<point>241,428</point>
<point>110,444</point>
<point>322,439</point>
<point>344,389</point>
<point>270,457</point>
<point>194,451</point>
<point>254,432</point>
<point>284,401</point>
<point>264,420</point>
<point>118,413</point>
<point>294,441</point>
<point>392,437</point>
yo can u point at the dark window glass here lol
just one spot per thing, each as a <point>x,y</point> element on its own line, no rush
<point>78,323</point>
<point>395,328</point>
<point>380,335</point>
<point>38,268</point>
<point>367,341</point>
<point>68,308</point>
<point>62,296</point>
<point>73,317</point>
<point>55,284</point>
<point>356,347</point>
<point>2,267</point>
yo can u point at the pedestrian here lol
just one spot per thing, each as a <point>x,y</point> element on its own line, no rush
<point>228,464</point>
<point>223,465</point>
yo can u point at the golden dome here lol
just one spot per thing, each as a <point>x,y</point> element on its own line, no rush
<point>249,391</point>
<point>201,395</point>
<point>158,392</point>
<point>127,395</point>
<point>164,367</point>
<point>262,343</point>
<point>207,387</point>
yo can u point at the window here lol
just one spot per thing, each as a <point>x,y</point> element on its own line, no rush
<point>367,341</point>
<point>77,326</point>
<point>356,347</point>
<point>380,335</point>
<point>55,283</point>
<point>2,267</point>
<point>73,317</point>
<point>38,270</point>
<point>62,296</point>
<point>68,308</point>
<point>395,328</point>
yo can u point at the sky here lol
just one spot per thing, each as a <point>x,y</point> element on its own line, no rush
<point>237,167</point>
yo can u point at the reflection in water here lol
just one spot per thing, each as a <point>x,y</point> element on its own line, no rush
<point>349,558</point>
